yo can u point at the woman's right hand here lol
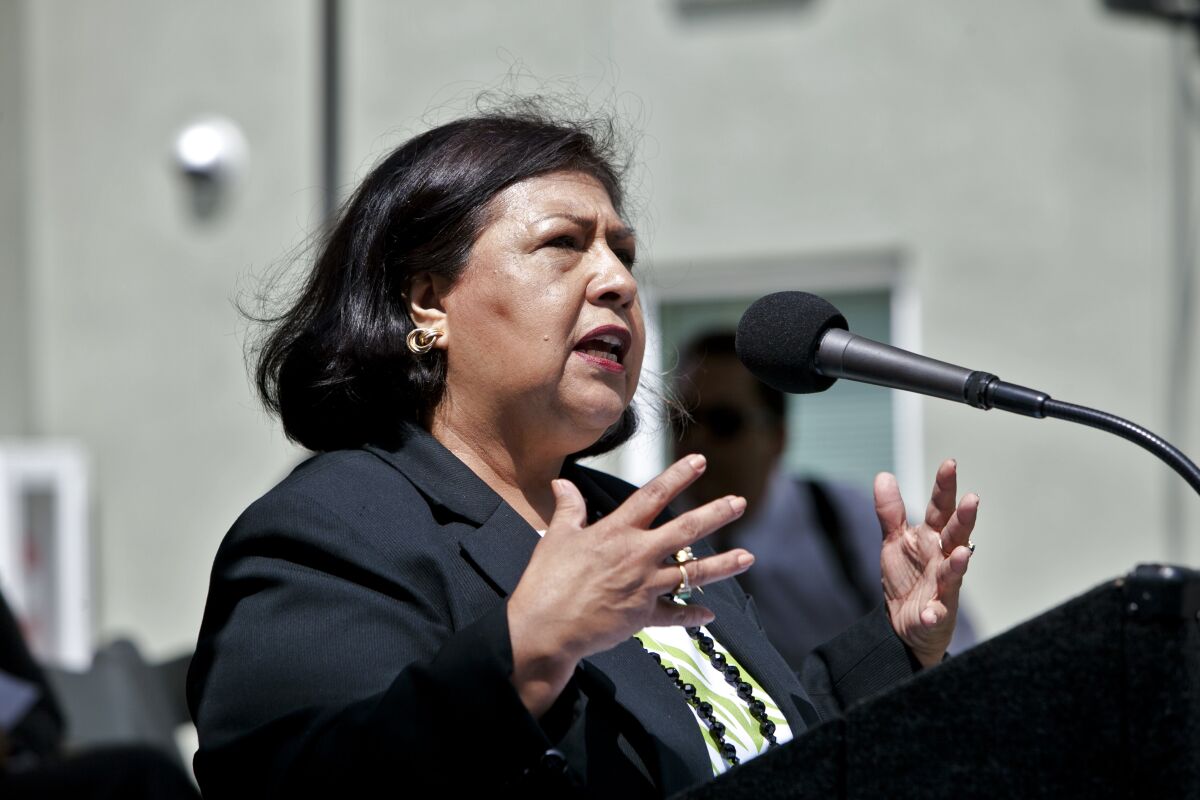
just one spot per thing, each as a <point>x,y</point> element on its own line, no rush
<point>588,588</point>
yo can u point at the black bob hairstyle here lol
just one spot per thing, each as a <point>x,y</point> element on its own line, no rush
<point>334,365</point>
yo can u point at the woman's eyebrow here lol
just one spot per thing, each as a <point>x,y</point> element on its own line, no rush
<point>575,218</point>
<point>622,232</point>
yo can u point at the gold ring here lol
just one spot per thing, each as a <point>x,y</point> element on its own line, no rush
<point>684,590</point>
<point>685,554</point>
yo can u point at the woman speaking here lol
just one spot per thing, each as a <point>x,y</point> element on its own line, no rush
<point>442,599</point>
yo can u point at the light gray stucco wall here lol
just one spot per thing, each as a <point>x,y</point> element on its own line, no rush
<point>135,338</point>
<point>14,342</point>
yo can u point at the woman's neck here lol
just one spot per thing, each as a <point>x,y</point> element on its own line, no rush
<point>506,463</point>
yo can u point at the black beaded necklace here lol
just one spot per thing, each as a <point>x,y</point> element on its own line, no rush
<point>704,709</point>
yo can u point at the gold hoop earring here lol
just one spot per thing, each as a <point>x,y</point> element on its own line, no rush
<point>420,340</point>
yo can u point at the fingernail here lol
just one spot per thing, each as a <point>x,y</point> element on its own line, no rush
<point>697,462</point>
<point>738,504</point>
<point>745,560</point>
<point>708,617</point>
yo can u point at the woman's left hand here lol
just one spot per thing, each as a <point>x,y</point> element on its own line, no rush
<point>923,565</point>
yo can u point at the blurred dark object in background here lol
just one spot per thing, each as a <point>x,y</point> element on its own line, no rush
<point>1181,12</point>
<point>127,713</point>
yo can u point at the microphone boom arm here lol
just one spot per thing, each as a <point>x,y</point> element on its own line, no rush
<point>1102,420</point>
<point>841,354</point>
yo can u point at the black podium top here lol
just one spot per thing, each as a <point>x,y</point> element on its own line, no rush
<point>1097,698</point>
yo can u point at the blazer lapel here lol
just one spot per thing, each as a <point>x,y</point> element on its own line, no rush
<point>637,683</point>
<point>440,476</point>
<point>499,541</point>
<point>501,546</point>
<point>736,632</point>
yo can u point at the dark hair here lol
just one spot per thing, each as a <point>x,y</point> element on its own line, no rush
<point>722,344</point>
<point>334,365</point>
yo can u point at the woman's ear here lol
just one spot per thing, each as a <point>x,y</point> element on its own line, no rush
<point>424,295</point>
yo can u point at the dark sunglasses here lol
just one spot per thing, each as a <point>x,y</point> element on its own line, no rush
<point>723,422</point>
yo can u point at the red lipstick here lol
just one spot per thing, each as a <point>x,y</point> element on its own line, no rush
<point>605,347</point>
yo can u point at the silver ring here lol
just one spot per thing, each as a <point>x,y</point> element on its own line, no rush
<point>970,545</point>
<point>684,590</point>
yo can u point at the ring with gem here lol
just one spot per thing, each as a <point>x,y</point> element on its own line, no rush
<point>685,554</point>
<point>684,590</point>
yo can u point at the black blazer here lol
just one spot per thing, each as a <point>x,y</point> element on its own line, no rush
<point>355,642</point>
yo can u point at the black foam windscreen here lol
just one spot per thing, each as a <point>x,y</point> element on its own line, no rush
<point>778,336</point>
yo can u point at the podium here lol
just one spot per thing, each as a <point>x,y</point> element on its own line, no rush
<point>1097,698</point>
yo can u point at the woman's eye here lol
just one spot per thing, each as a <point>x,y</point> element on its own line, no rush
<point>569,242</point>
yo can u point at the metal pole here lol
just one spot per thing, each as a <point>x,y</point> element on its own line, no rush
<point>330,59</point>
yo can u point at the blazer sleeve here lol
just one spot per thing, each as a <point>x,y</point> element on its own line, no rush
<point>865,659</point>
<point>318,674</point>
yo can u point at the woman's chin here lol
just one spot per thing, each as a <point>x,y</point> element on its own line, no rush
<point>585,430</point>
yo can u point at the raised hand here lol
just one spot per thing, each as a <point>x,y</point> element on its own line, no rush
<point>590,587</point>
<point>923,565</point>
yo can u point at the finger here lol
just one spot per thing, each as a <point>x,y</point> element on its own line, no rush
<point>949,581</point>
<point>570,510</point>
<point>958,530</point>
<point>641,507</point>
<point>933,613</point>
<point>689,528</point>
<point>889,506</point>
<point>945,492</point>
<point>668,612</point>
<point>703,571</point>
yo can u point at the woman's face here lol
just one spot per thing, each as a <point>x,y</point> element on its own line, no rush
<point>544,332</point>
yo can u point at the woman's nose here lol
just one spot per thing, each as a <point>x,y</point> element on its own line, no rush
<point>613,282</point>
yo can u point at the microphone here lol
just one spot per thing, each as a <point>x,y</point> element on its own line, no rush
<point>800,343</point>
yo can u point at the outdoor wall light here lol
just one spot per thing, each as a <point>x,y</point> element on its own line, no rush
<point>212,157</point>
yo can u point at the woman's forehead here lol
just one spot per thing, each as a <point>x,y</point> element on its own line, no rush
<point>576,196</point>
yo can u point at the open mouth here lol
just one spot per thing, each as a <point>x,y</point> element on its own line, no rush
<point>609,343</point>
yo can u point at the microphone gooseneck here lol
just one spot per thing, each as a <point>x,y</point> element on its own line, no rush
<point>800,343</point>
<point>1130,432</point>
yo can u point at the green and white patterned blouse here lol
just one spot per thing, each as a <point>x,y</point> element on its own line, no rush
<point>678,650</point>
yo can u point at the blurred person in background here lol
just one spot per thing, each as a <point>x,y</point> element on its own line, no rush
<point>816,541</point>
